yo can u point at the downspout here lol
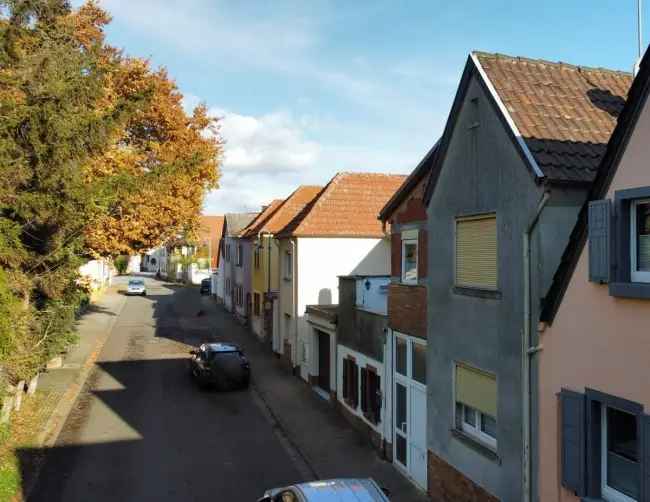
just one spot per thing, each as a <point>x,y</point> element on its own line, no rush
<point>527,352</point>
<point>294,278</point>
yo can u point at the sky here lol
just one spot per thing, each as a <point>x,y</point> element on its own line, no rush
<point>306,89</point>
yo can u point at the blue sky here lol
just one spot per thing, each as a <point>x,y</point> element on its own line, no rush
<point>306,89</point>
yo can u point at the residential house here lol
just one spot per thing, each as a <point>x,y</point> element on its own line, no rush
<point>233,260</point>
<point>336,234</point>
<point>594,423</point>
<point>252,268</point>
<point>362,379</point>
<point>405,214</point>
<point>518,155</point>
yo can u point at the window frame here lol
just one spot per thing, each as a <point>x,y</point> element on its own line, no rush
<point>461,287</point>
<point>239,257</point>
<point>635,275</point>
<point>406,242</point>
<point>257,257</point>
<point>475,430</point>
<point>609,493</point>
<point>288,265</point>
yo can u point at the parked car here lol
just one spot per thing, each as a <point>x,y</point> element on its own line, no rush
<point>136,287</point>
<point>339,490</point>
<point>220,365</point>
<point>206,286</point>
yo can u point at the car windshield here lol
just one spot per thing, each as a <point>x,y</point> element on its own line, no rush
<point>136,282</point>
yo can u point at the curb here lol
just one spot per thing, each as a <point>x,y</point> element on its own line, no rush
<point>50,433</point>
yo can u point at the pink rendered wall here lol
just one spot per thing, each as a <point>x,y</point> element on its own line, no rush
<point>596,340</point>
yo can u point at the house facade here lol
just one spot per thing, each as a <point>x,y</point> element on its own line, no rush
<point>336,234</point>
<point>593,369</point>
<point>232,257</point>
<point>405,214</point>
<point>362,380</point>
<point>519,152</point>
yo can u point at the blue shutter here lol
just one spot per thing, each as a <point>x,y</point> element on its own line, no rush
<point>573,441</point>
<point>599,240</point>
<point>645,474</point>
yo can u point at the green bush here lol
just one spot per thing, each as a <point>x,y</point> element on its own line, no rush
<point>121,264</point>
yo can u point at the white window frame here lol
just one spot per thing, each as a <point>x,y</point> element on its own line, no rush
<point>475,431</point>
<point>635,275</point>
<point>406,242</point>
<point>607,492</point>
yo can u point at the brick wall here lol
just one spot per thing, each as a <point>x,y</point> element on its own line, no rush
<point>446,484</point>
<point>407,309</point>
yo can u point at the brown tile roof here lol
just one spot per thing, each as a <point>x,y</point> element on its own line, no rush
<point>291,206</point>
<point>347,207</point>
<point>210,230</point>
<point>564,113</point>
<point>257,225</point>
<point>236,222</point>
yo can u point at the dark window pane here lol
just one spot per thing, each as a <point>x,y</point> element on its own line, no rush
<point>419,363</point>
<point>459,416</point>
<point>643,236</point>
<point>400,407</point>
<point>400,355</point>
<point>488,425</point>
<point>470,416</point>
<point>622,452</point>
<point>400,449</point>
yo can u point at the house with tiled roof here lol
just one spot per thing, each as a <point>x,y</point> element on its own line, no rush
<point>231,261</point>
<point>594,419</point>
<point>253,267</point>
<point>265,283</point>
<point>335,234</point>
<point>520,150</point>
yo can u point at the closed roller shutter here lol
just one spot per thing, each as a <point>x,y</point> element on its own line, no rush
<point>477,389</point>
<point>476,251</point>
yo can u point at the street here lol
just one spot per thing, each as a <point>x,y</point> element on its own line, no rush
<point>141,430</point>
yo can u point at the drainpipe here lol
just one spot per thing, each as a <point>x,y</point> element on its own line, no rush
<point>294,278</point>
<point>527,352</point>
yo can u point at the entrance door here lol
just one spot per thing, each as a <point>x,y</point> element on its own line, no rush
<point>324,361</point>
<point>410,412</point>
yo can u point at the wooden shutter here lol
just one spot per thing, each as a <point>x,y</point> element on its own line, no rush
<point>354,381</point>
<point>599,240</point>
<point>476,251</point>
<point>346,377</point>
<point>573,441</point>
<point>364,390</point>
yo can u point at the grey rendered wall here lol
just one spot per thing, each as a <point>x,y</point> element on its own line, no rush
<point>483,171</point>
<point>357,329</point>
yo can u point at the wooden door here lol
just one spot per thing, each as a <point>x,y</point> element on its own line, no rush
<point>324,361</point>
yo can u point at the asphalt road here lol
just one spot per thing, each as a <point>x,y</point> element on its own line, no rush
<point>141,430</point>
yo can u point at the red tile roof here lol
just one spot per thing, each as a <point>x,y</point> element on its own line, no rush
<point>210,230</point>
<point>257,225</point>
<point>564,113</point>
<point>291,206</point>
<point>347,207</point>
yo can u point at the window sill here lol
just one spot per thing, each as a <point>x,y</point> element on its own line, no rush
<point>489,294</point>
<point>475,445</point>
<point>639,290</point>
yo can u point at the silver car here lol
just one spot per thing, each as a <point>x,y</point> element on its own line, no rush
<point>136,287</point>
<point>330,490</point>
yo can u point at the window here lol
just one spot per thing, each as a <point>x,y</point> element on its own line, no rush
<point>350,382</point>
<point>476,252</point>
<point>602,451</point>
<point>227,286</point>
<point>256,304</point>
<point>640,241</point>
<point>288,265</point>
<point>371,394</point>
<point>410,261</point>
<point>476,404</point>
<point>257,257</point>
<point>226,252</point>
<point>620,456</point>
<point>240,253</point>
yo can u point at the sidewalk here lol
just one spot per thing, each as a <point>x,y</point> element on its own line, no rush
<point>325,440</point>
<point>63,385</point>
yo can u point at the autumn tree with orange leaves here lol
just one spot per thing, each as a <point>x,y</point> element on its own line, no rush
<point>97,158</point>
